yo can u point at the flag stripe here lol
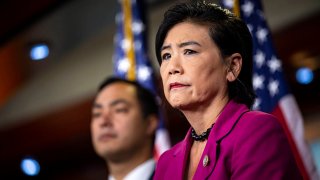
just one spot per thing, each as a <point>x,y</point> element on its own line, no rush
<point>294,119</point>
<point>161,143</point>
<point>280,115</point>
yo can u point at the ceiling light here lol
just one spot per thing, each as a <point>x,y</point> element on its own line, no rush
<point>304,75</point>
<point>39,52</point>
<point>30,167</point>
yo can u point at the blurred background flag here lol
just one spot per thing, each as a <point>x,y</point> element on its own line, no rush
<point>131,58</point>
<point>273,95</point>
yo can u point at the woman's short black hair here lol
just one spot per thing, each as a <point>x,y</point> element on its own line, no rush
<point>227,31</point>
<point>145,97</point>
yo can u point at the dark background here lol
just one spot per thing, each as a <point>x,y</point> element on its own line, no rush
<point>58,136</point>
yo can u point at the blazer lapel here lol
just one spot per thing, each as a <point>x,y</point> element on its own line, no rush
<point>223,126</point>
<point>181,156</point>
<point>207,161</point>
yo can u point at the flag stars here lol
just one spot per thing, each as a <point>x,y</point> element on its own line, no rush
<point>228,3</point>
<point>259,58</point>
<point>274,64</point>
<point>261,34</point>
<point>247,8</point>
<point>144,73</point>
<point>273,87</point>
<point>258,81</point>
<point>137,27</point>
<point>123,65</point>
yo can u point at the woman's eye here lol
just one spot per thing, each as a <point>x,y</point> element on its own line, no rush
<point>189,51</point>
<point>166,56</point>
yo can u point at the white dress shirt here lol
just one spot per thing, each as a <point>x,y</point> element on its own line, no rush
<point>141,172</point>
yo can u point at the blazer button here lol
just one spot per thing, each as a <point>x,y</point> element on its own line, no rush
<point>205,161</point>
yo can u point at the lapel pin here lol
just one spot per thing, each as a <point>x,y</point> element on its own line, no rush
<point>205,161</point>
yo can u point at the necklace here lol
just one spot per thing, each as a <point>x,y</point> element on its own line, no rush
<point>202,136</point>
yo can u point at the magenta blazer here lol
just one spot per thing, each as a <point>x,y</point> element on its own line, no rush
<point>243,144</point>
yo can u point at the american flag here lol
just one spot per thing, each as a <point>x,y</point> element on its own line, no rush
<point>273,95</point>
<point>131,60</point>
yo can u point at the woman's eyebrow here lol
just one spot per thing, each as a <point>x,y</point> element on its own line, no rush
<point>189,43</point>
<point>165,47</point>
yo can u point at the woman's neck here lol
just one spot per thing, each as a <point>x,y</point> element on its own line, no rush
<point>202,117</point>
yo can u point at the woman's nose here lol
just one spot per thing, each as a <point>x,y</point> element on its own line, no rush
<point>175,66</point>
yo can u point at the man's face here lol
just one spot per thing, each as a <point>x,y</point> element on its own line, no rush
<point>117,126</point>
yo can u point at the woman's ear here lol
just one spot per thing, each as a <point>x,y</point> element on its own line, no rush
<point>234,66</point>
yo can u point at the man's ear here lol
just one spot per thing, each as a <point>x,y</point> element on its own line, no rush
<point>152,124</point>
<point>234,66</point>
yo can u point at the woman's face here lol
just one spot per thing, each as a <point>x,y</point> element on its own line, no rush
<point>192,70</point>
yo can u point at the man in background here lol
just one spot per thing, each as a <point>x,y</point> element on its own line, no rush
<point>123,125</point>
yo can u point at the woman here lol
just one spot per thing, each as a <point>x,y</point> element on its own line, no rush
<point>205,57</point>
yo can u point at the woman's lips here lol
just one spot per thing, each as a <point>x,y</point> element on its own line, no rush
<point>176,85</point>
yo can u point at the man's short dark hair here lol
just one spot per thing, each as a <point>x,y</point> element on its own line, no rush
<point>145,97</point>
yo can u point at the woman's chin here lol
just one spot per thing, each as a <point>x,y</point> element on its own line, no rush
<point>181,106</point>
<point>176,105</point>
<point>181,103</point>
